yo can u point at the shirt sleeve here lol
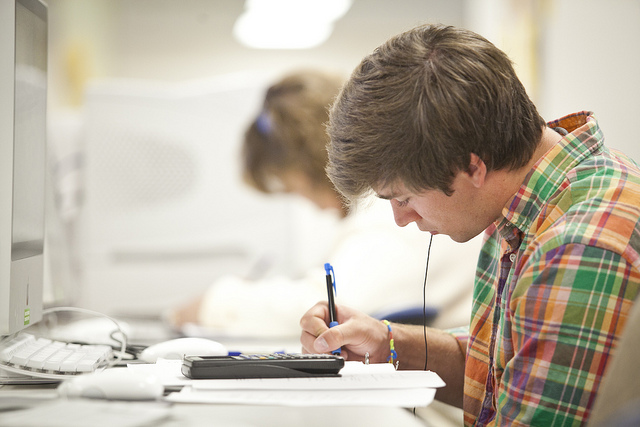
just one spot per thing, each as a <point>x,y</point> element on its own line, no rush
<point>268,307</point>
<point>461,334</point>
<point>561,324</point>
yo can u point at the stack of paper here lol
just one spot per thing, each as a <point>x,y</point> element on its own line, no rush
<point>358,385</point>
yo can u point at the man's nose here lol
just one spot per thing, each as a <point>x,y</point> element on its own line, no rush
<point>403,215</point>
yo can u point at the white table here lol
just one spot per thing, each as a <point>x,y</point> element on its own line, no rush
<point>195,415</point>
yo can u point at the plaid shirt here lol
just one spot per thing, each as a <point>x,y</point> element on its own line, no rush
<point>556,278</point>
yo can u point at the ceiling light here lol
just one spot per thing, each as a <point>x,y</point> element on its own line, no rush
<point>288,24</point>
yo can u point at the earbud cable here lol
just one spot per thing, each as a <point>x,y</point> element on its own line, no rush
<point>424,304</point>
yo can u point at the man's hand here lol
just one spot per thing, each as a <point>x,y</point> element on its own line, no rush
<point>356,334</point>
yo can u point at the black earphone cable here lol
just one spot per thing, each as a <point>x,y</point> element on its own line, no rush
<point>424,304</point>
<point>424,308</point>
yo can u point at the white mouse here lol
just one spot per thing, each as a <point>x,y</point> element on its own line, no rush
<point>179,347</point>
<point>115,384</point>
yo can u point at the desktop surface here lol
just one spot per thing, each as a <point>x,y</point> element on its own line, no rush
<point>195,415</point>
<point>36,396</point>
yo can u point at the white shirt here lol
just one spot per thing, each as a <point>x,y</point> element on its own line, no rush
<point>379,267</point>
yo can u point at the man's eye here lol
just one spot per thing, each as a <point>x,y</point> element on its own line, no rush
<point>402,203</point>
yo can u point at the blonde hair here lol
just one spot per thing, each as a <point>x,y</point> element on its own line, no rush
<point>289,133</point>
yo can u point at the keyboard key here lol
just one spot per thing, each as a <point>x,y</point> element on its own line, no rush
<point>8,348</point>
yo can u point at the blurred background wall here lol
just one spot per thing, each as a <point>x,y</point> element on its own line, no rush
<point>150,97</point>
<point>173,40</point>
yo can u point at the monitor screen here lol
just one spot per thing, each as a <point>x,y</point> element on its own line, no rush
<point>22,146</point>
<point>29,134</point>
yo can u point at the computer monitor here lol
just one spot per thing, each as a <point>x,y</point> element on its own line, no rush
<point>23,88</point>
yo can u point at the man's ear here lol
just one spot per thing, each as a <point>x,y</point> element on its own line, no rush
<point>477,170</point>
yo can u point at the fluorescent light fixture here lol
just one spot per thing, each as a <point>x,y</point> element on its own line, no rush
<point>288,24</point>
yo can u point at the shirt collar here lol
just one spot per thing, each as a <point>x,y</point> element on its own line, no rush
<point>584,138</point>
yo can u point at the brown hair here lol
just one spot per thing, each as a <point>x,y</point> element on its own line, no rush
<point>289,133</point>
<point>417,107</point>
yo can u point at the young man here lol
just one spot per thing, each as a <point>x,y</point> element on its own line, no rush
<point>436,121</point>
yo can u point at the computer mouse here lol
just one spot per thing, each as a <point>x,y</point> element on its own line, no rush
<point>179,347</point>
<point>113,384</point>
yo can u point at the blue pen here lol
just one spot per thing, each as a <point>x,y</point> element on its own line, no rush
<point>331,288</point>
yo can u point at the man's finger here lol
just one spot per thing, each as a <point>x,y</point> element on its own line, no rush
<point>330,340</point>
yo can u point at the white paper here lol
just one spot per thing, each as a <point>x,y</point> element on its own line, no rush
<point>359,384</point>
<point>358,377</point>
<point>168,371</point>
<point>403,398</point>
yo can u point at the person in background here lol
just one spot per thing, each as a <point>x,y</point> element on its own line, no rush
<point>436,121</point>
<point>378,267</point>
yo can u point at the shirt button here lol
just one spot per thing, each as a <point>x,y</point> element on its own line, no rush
<point>512,257</point>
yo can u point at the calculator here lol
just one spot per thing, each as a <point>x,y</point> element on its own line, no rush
<point>276,365</point>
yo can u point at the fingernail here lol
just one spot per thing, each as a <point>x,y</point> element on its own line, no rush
<point>321,345</point>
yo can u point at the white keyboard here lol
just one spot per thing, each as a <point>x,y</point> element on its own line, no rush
<point>33,356</point>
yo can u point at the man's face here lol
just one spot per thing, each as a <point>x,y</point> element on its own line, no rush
<point>461,216</point>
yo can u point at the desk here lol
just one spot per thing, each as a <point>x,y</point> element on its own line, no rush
<point>270,416</point>
<point>191,414</point>
<point>196,415</point>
